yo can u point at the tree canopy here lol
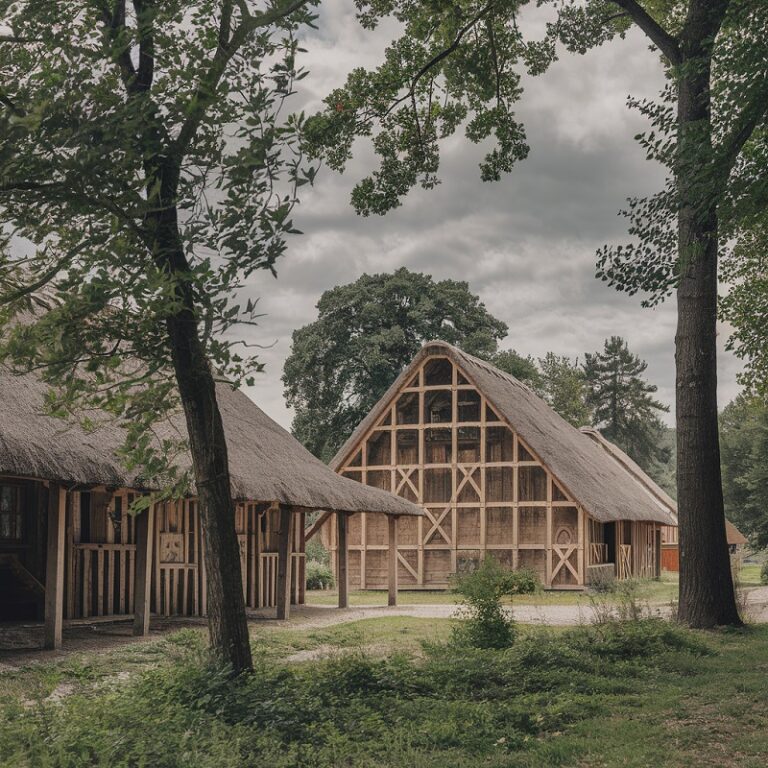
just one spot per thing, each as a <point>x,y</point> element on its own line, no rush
<point>564,387</point>
<point>524,369</point>
<point>366,333</point>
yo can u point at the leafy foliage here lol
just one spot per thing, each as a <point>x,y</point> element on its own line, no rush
<point>146,168</point>
<point>366,333</point>
<point>565,388</point>
<point>487,624</point>
<point>623,406</point>
<point>744,456</point>
<point>522,368</point>
<point>319,575</point>
<point>745,307</point>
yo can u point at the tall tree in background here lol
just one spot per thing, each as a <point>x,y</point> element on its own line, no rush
<point>365,334</point>
<point>564,386</point>
<point>622,402</point>
<point>144,159</point>
<point>460,63</point>
<point>744,445</point>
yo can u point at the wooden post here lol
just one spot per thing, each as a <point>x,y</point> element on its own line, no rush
<point>54,573</point>
<point>392,560</point>
<point>142,590</point>
<point>259,546</point>
<point>342,522</point>
<point>285,535</point>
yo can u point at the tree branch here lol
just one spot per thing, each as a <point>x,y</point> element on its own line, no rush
<point>115,22</point>
<point>210,79</point>
<point>435,60</point>
<point>276,14</point>
<point>145,73</point>
<point>20,293</point>
<point>666,43</point>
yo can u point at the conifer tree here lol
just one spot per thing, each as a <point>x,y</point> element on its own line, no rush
<point>624,408</point>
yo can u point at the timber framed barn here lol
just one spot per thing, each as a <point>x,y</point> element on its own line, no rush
<point>670,550</point>
<point>496,471</point>
<point>69,550</point>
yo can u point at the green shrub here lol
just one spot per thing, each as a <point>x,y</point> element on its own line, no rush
<point>764,573</point>
<point>319,575</point>
<point>487,624</point>
<point>317,552</point>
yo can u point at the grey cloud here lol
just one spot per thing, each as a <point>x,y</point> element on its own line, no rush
<point>526,245</point>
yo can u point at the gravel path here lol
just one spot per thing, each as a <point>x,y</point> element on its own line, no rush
<point>316,616</point>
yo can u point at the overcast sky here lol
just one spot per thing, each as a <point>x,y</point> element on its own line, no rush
<point>525,245</point>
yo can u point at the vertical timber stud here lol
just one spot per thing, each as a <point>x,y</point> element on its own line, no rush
<point>142,590</point>
<point>54,573</point>
<point>392,560</point>
<point>342,523</point>
<point>284,540</point>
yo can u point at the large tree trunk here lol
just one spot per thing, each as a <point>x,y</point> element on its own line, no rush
<point>707,596</point>
<point>227,622</point>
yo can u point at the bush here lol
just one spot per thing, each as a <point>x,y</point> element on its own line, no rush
<point>487,624</point>
<point>319,575</point>
<point>317,552</point>
<point>764,573</point>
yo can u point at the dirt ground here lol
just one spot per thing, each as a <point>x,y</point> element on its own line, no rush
<point>21,644</point>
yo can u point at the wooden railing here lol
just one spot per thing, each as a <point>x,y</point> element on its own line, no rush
<point>101,583</point>
<point>101,580</point>
<point>268,580</point>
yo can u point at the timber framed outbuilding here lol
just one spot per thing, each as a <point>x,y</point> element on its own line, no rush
<point>496,472</point>
<point>70,549</point>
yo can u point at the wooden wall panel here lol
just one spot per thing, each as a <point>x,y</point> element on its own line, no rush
<point>442,445</point>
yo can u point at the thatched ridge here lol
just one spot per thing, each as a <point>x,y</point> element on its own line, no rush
<point>591,476</point>
<point>266,462</point>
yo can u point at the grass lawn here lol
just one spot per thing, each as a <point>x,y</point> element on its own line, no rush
<point>662,591</point>
<point>634,694</point>
<point>749,575</point>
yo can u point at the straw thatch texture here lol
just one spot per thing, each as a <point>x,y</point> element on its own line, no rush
<point>266,462</point>
<point>585,470</point>
<point>733,534</point>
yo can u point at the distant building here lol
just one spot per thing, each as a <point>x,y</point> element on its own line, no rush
<point>497,472</point>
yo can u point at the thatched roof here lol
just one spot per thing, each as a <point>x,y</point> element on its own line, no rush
<point>733,534</point>
<point>266,463</point>
<point>628,464</point>
<point>582,467</point>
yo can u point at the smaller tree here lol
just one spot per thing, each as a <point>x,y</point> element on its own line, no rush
<point>624,408</point>
<point>487,624</point>
<point>522,368</point>
<point>565,388</point>
<point>744,453</point>
<point>365,334</point>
